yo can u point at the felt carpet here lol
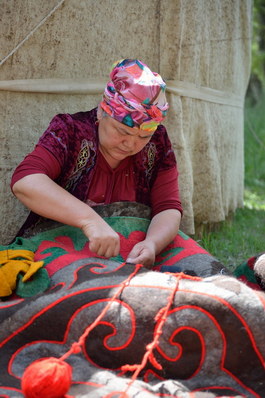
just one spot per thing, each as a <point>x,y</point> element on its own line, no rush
<point>202,336</point>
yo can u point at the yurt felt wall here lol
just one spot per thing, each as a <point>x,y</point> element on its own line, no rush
<point>208,61</point>
<point>56,57</point>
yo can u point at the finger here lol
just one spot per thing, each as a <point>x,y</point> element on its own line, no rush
<point>109,248</point>
<point>94,246</point>
<point>114,248</point>
<point>117,250</point>
<point>98,247</point>
<point>143,258</point>
<point>134,254</point>
<point>135,260</point>
<point>112,251</point>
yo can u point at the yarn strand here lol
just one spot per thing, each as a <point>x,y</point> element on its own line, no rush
<point>51,377</point>
<point>35,383</point>
<point>160,318</point>
<point>76,347</point>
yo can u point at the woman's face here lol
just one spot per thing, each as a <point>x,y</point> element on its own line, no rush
<point>118,141</point>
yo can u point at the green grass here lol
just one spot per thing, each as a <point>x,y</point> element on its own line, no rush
<point>243,234</point>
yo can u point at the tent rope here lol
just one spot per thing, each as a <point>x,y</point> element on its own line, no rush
<point>31,32</point>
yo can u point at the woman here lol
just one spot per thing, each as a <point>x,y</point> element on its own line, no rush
<point>117,152</point>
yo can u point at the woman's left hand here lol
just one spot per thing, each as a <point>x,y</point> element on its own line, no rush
<point>143,253</point>
<point>161,231</point>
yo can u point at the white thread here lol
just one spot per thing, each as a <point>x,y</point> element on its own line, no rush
<point>31,33</point>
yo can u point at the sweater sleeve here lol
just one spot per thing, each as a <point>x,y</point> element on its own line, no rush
<point>165,191</point>
<point>40,160</point>
<point>50,153</point>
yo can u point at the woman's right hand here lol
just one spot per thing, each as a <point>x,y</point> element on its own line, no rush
<point>46,198</point>
<point>103,240</point>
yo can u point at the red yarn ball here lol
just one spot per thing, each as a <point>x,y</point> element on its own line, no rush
<point>47,378</point>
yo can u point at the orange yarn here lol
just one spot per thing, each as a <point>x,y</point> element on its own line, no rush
<point>52,377</point>
<point>160,318</point>
<point>47,378</point>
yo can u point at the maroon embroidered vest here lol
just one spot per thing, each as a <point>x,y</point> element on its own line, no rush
<point>73,140</point>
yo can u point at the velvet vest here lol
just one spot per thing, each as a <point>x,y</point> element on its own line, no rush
<point>73,140</point>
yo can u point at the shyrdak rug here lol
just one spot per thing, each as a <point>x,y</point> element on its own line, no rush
<point>210,343</point>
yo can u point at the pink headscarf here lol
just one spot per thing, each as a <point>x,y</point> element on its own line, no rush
<point>135,95</point>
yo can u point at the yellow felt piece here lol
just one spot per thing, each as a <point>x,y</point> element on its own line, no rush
<point>5,289</point>
<point>11,271</point>
<point>13,262</point>
<point>10,254</point>
<point>33,268</point>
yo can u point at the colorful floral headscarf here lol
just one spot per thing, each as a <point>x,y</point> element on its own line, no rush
<point>135,95</point>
